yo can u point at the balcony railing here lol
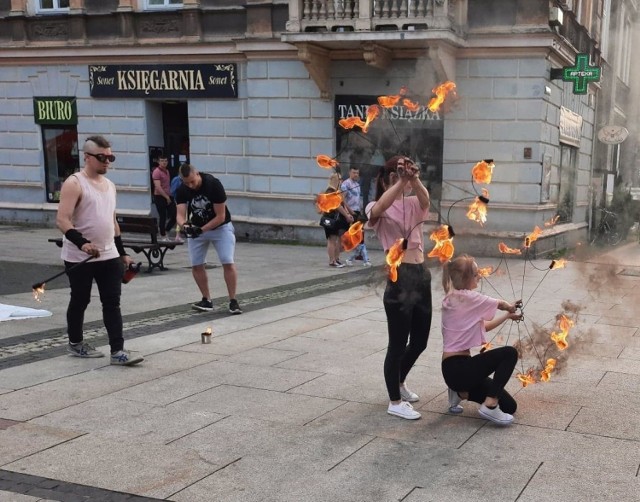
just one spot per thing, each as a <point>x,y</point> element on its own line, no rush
<point>370,15</point>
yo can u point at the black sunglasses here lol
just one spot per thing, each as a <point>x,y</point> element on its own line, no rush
<point>102,157</point>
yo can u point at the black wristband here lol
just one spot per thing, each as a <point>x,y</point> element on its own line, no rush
<point>75,237</point>
<point>119,246</point>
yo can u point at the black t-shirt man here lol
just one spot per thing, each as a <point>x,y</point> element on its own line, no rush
<point>200,202</point>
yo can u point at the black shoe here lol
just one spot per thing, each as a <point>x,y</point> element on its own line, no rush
<point>234,308</point>
<point>203,305</point>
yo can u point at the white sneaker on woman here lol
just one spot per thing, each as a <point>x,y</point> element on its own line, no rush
<point>403,410</point>
<point>407,395</point>
<point>496,415</point>
<point>454,402</point>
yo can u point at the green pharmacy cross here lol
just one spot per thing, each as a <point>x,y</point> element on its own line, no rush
<point>580,74</point>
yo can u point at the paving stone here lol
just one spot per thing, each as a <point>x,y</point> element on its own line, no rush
<point>24,439</point>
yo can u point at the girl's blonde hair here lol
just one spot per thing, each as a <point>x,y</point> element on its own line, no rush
<point>458,273</point>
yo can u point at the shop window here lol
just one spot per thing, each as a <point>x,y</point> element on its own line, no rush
<point>61,160</point>
<point>46,6</point>
<point>163,4</point>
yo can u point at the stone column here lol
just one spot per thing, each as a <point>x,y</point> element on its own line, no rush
<point>125,5</point>
<point>18,7</point>
<point>295,14</point>
<point>76,6</point>
<point>365,12</point>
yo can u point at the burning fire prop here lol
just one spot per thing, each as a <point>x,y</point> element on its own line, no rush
<point>352,237</point>
<point>443,238</point>
<point>394,258</point>
<point>478,208</point>
<point>39,287</point>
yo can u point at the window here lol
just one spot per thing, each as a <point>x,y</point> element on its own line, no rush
<point>60,145</point>
<point>163,4</point>
<point>45,6</point>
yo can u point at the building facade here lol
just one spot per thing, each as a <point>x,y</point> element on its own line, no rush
<point>252,91</point>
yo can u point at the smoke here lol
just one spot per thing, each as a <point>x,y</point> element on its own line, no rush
<point>540,345</point>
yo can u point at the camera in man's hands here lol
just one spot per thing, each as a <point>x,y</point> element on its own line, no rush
<point>191,231</point>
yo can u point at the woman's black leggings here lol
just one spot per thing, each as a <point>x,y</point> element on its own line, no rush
<point>407,303</point>
<point>471,374</point>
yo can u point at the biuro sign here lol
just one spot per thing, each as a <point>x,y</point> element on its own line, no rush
<point>164,81</point>
<point>55,110</point>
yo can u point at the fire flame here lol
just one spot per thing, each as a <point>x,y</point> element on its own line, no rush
<point>351,238</point>
<point>526,378</point>
<point>482,172</point>
<point>326,162</point>
<point>560,263</point>
<point>391,101</point>
<point>441,92</point>
<point>485,272</point>
<point>38,293</point>
<point>394,258</point>
<point>412,106</point>
<point>372,113</point>
<point>478,208</point>
<point>351,122</point>
<point>545,374</point>
<point>326,202</point>
<point>552,221</point>
<point>507,250</point>
<point>560,338</point>
<point>208,331</point>
<point>532,237</point>
<point>485,346</point>
<point>443,248</point>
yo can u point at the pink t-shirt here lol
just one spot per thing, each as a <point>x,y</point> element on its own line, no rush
<point>400,218</point>
<point>463,315</point>
<point>163,176</point>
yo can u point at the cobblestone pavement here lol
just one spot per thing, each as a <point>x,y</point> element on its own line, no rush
<point>288,401</point>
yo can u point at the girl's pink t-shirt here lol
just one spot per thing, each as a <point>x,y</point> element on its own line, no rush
<point>400,218</point>
<point>463,315</point>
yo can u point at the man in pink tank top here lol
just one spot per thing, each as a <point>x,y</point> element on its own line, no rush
<point>87,218</point>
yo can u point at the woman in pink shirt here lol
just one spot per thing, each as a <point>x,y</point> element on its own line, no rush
<point>466,316</point>
<point>398,214</point>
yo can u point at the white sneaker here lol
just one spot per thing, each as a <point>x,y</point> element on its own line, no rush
<point>366,264</point>
<point>349,263</point>
<point>403,410</point>
<point>407,395</point>
<point>454,402</point>
<point>496,415</point>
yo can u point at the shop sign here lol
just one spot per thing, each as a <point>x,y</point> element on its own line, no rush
<point>55,111</point>
<point>570,127</point>
<point>164,81</point>
<point>580,74</point>
<point>347,106</point>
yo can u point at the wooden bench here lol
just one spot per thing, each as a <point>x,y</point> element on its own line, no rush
<point>140,234</point>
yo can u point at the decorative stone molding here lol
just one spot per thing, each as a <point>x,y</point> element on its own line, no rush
<point>377,56</point>
<point>316,61</point>
<point>159,27</point>
<point>18,7</point>
<point>49,30</point>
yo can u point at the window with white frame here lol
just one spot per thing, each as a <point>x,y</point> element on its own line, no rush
<point>44,6</point>
<point>163,4</point>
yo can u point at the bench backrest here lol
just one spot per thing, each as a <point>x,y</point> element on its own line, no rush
<point>137,226</point>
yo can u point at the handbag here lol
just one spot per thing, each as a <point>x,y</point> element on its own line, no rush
<point>330,220</point>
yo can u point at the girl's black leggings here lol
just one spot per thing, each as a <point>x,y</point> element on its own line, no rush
<point>407,303</point>
<point>471,374</point>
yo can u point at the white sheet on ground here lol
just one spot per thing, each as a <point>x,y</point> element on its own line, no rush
<point>13,312</point>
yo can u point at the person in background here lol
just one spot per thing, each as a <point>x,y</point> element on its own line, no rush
<point>87,218</point>
<point>344,219</point>
<point>466,316</point>
<point>396,214</point>
<point>162,197</point>
<point>205,218</point>
<point>353,202</point>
